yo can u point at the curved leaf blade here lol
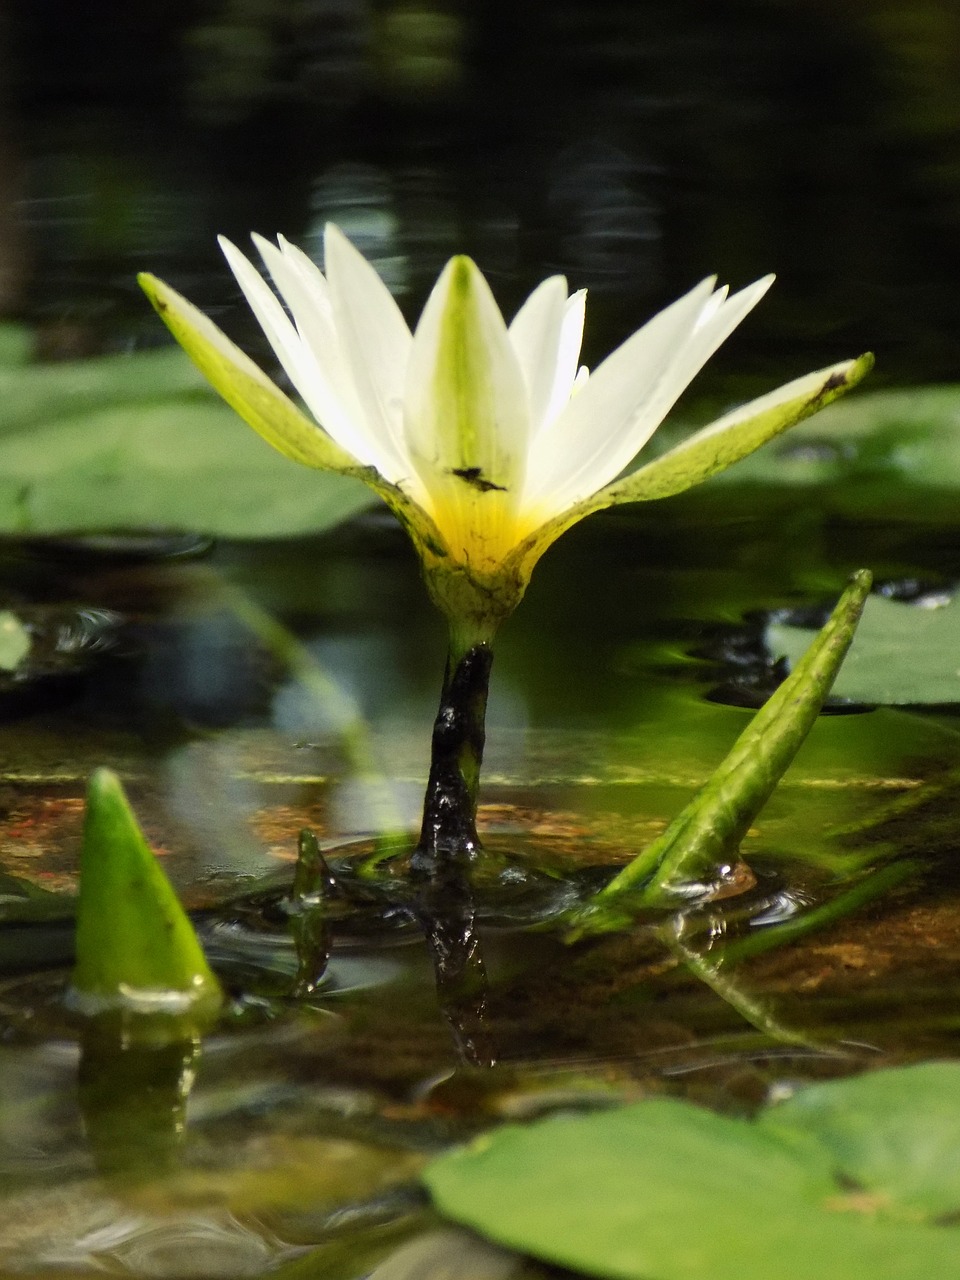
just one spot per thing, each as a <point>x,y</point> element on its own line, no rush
<point>712,825</point>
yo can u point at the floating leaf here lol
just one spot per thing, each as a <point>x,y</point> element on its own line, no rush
<point>138,441</point>
<point>903,654</point>
<point>847,1179</point>
<point>869,453</point>
<point>739,433</point>
<point>895,1134</point>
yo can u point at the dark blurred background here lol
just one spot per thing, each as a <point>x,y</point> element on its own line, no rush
<point>634,145</point>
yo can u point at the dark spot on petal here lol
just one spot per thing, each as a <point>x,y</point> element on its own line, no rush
<point>474,476</point>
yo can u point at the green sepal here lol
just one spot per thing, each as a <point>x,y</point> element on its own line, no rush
<point>706,452</point>
<point>273,415</point>
<point>245,387</point>
<point>709,829</point>
<point>139,962</point>
<point>736,435</point>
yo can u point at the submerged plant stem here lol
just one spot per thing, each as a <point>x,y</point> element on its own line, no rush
<point>874,884</point>
<point>751,1010</point>
<point>309,925</point>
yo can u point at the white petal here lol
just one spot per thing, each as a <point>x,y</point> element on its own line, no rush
<point>710,333</point>
<point>629,395</point>
<point>466,414</point>
<point>315,282</point>
<point>535,336</point>
<point>547,333</point>
<point>374,338</point>
<point>271,316</point>
<point>310,307</point>
<point>568,356</point>
<point>296,359</point>
<point>601,414</point>
<point>305,291</point>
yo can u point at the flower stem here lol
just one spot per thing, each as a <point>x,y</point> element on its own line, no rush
<point>449,828</point>
<point>440,865</point>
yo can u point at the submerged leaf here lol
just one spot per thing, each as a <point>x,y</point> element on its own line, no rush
<point>662,1190</point>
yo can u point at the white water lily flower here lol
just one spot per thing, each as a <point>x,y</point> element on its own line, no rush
<point>486,440</point>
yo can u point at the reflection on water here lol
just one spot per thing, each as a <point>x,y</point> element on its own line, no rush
<point>633,147</point>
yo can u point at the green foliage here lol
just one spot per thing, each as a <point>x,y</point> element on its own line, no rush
<point>903,654</point>
<point>869,454</point>
<point>138,959</point>
<point>858,1177</point>
<point>896,1134</point>
<point>739,434</point>
<point>709,829</point>
<point>138,441</point>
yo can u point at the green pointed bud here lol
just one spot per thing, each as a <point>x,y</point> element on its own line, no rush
<point>708,831</point>
<point>139,962</point>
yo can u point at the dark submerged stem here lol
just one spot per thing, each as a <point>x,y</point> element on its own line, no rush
<point>450,804</point>
<point>440,866</point>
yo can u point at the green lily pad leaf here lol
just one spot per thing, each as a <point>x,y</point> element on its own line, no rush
<point>896,1134</point>
<point>139,442</point>
<point>903,654</point>
<point>663,1190</point>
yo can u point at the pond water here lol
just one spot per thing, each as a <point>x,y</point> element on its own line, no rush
<point>635,148</point>
<point>302,1123</point>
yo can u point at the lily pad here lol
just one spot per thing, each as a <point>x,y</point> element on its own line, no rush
<point>903,654</point>
<point>895,1134</point>
<point>850,1178</point>
<point>137,442</point>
